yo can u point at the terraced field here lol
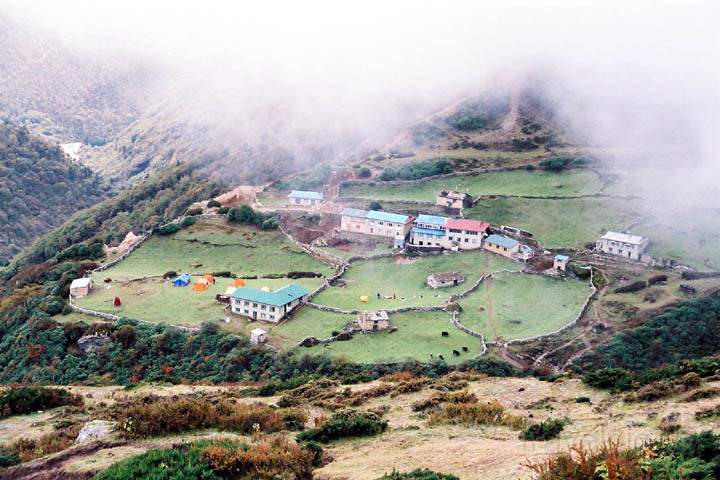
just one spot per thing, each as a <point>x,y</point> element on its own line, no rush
<point>517,182</point>
<point>401,281</point>
<point>213,246</point>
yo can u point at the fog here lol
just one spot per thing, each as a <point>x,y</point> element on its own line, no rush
<point>641,81</point>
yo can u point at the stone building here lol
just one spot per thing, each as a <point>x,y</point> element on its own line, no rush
<point>373,321</point>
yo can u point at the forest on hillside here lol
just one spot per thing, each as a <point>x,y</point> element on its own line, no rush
<point>39,188</point>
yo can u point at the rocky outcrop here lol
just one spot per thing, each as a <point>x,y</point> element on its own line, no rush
<point>95,430</point>
<point>90,343</point>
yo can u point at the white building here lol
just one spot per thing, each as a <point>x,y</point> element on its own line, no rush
<point>623,245</point>
<point>80,287</point>
<point>373,222</point>
<point>267,306</point>
<point>258,336</point>
<point>305,198</point>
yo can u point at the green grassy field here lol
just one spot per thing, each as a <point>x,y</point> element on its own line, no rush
<point>156,300</point>
<point>308,321</point>
<point>406,279</point>
<point>241,250</point>
<point>418,335</point>
<point>357,249</point>
<point>512,305</point>
<point>559,223</point>
<point>516,182</point>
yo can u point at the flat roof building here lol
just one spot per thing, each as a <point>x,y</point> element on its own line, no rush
<point>264,305</point>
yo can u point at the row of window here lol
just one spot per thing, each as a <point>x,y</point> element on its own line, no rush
<point>255,305</point>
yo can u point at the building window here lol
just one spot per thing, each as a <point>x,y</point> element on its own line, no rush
<point>272,309</point>
<point>254,305</point>
<point>263,307</point>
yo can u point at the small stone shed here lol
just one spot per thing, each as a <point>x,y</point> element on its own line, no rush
<point>447,279</point>
<point>80,287</point>
<point>373,321</point>
<point>258,336</point>
<point>560,262</point>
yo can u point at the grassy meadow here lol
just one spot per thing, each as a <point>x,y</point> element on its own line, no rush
<point>559,223</point>
<point>157,300</point>
<point>213,246</point>
<point>418,335</point>
<point>516,306</point>
<point>306,322</point>
<point>517,182</point>
<point>405,277</point>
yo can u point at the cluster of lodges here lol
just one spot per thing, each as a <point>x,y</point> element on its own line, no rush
<point>432,232</point>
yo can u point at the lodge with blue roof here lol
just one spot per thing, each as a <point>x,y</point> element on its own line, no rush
<point>265,305</point>
<point>306,198</point>
<point>377,223</point>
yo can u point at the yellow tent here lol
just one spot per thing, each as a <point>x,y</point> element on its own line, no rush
<point>364,298</point>
<point>238,282</point>
<point>265,289</point>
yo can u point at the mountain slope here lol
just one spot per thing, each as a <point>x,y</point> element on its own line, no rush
<point>39,188</point>
<point>55,90</point>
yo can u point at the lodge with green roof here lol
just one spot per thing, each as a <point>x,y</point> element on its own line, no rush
<point>265,305</point>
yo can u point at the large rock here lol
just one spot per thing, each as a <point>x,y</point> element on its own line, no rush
<point>89,343</point>
<point>95,430</point>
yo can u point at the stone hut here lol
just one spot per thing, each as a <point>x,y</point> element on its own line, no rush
<point>373,321</point>
<point>258,336</point>
<point>447,279</point>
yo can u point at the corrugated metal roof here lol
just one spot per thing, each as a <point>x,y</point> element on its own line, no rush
<point>502,241</point>
<point>623,237</point>
<point>80,282</point>
<point>281,296</point>
<point>306,194</point>
<point>431,220</point>
<point>562,258</point>
<point>428,231</point>
<point>354,212</point>
<point>387,217</point>
<point>470,225</point>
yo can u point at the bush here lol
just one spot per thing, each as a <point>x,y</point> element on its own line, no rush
<point>8,459</point>
<point>374,205</point>
<point>417,170</point>
<point>364,172</point>
<point>184,463</point>
<point>476,115</point>
<point>615,379</point>
<point>187,222</point>
<point>657,279</point>
<point>632,287</point>
<point>247,216</point>
<point>544,431</point>
<point>193,211</point>
<point>223,210</point>
<point>556,164</point>
<point>26,449</point>
<point>418,474</point>
<point>345,424</point>
<point>213,204</point>
<point>170,417</point>
<point>578,271</point>
<point>476,413</point>
<point>23,400</point>
<point>167,229</point>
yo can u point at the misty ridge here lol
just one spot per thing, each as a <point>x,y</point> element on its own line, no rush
<point>253,94</point>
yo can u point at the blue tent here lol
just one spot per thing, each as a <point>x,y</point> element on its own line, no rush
<point>182,281</point>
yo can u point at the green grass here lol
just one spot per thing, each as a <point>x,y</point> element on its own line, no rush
<point>155,300</point>
<point>513,306</point>
<point>517,182</point>
<point>407,280</point>
<point>418,335</point>
<point>241,250</point>
<point>306,322</point>
<point>559,223</point>
<point>358,249</point>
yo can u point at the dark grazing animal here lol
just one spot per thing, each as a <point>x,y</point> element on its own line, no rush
<point>456,353</point>
<point>445,334</point>
<point>465,349</point>
<point>441,357</point>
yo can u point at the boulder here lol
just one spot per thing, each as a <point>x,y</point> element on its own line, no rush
<point>90,343</point>
<point>309,342</point>
<point>95,430</point>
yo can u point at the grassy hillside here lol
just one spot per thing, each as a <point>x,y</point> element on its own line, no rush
<point>39,188</point>
<point>518,182</point>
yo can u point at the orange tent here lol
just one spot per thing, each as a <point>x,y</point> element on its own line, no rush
<point>200,287</point>
<point>209,278</point>
<point>238,282</point>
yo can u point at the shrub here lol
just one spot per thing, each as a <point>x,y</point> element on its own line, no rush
<point>184,463</point>
<point>247,216</point>
<point>23,400</point>
<point>632,287</point>
<point>168,417</point>
<point>556,164</point>
<point>167,229</point>
<point>615,379</point>
<point>8,459</point>
<point>187,222</point>
<point>417,170</point>
<point>213,204</point>
<point>582,400</point>
<point>269,460</point>
<point>374,205</point>
<point>476,413</point>
<point>25,449</point>
<point>364,172</point>
<point>702,394</point>
<point>223,210</point>
<point>657,279</point>
<point>578,271</point>
<point>193,211</point>
<point>479,114</point>
<point>348,423</point>
<point>418,474</point>
<point>544,431</point>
